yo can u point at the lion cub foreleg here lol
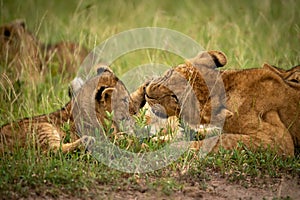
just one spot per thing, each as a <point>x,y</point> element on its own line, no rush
<point>52,137</point>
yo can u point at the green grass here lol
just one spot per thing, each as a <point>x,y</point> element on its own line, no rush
<point>248,32</point>
<point>73,174</point>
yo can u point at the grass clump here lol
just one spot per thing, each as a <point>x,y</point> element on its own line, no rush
<point>240,164</point>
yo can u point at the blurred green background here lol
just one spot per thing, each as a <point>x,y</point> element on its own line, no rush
<point>249,32</point>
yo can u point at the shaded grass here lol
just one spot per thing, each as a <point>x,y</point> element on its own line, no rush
<point>240,164</point>
<point>249,32</point>
<point>26,173</point>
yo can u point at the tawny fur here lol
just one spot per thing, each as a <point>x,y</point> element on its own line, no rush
<point>21,52</point>
<point>105,91</point>
<point>263,106</point>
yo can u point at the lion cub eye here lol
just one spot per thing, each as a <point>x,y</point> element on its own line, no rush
<point>175,98</point>
<point>7,33</point>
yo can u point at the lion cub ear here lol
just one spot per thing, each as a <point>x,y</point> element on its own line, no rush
<point>104,94</point>
<point>209,59</point>
<point>101,68</point>
<point>218,57</point>
<point>294,77</point>
<point>291,76</point>
<point>273,68</point>
<point>107,94</point>
<point>75,85</point>
<point>19,23</point>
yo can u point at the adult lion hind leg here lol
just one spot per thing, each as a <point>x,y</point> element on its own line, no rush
<point>267,136</point>
<point>226,141</point>
<point>231,141</point>
<point>269,132</point>
<point>51,136</point>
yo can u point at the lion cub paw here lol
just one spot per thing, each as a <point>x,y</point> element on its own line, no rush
<point>88,141</point>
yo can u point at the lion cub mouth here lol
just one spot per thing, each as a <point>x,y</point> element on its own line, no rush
<point>157,109</point>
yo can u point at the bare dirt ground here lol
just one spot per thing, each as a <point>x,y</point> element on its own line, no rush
<point>217,187</point>
<point>220,188</point>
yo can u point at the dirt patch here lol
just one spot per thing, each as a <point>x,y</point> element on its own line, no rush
<point>217,187</point>
<point>221,188</point>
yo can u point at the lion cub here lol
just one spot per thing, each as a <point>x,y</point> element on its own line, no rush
<point>87,110</point>
<point>260,107</point>
<point>23,56</point>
